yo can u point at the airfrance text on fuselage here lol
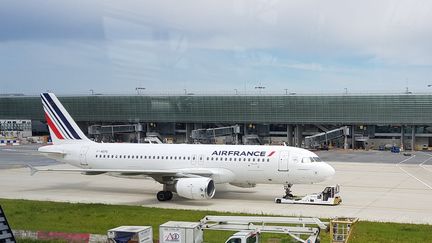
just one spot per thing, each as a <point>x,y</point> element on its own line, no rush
<point>239,153</point>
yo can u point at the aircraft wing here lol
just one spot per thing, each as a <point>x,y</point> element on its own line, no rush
<point>217,174</point>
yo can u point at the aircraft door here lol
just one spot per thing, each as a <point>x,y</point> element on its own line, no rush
<point>83,156</point>
<point>283,161</point>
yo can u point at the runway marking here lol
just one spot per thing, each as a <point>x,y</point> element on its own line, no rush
<point>426,168</point>
<point>405,160</point>
<point>424,183</point>
<point>422,164</point>
<point>430,157</point>
<point>413,176</point>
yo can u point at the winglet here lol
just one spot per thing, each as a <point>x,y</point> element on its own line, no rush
<point>33,170</point>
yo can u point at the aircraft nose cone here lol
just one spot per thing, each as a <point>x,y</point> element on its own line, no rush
<point>330,171</point>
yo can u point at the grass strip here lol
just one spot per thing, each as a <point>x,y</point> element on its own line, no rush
<point>98,218</point>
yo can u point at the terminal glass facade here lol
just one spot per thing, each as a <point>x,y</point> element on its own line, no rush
<point>343,109</point>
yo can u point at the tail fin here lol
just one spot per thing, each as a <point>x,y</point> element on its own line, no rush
<point>62,127</point>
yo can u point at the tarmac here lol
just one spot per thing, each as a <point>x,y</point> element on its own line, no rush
<point>384,187</point>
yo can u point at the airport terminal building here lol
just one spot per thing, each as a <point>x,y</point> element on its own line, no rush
<point>366,121</point>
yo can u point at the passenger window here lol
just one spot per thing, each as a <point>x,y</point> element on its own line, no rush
<point>212,158</point>
<point>137,157</point>
<point>230,159</point>
<point>129,156</point>
<point>207,158</point>
<point>253,159</point>
<point>96,155</point>
<point>141,157</point>
<point>116,156</point>
<point>244,159</point>
<point>216,158</point>
<point>248,159</point>
<point>200,158</point>
<point>235,159</point>
<point>268,160</point>
<point>157,157</point>
<point>175,157</point>
<point>132,156</point>
<point>184,158</point>
<point>170,157</point>
<point>112,156</point>
<point>154,157</point>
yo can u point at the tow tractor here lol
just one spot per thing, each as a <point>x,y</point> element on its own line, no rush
<point>329,196</point>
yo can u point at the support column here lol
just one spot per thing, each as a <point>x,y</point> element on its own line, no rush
<point>402,138</point>
<point>290,136</point>
<point>189,127</point>
<point>299,135</point>
<point>345,137</point>
<point>352,136</point>
<point>413,138</point>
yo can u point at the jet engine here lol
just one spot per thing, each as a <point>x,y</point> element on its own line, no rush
<point>195,188</point>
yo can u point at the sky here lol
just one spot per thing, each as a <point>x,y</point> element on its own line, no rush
<point>220,47</point>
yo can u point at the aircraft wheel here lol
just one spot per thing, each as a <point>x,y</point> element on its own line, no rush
<point>278,201</point>
<point>161,196</point>
<point>168,195</point>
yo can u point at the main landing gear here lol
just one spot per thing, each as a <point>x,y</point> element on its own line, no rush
<point>164,196</point>
<point>288,194</point>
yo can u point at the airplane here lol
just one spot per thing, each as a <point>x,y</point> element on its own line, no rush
<point>191,171</point>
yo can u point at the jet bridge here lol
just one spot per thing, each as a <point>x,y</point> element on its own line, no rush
<point>209,135</point>
<point>317,140</point>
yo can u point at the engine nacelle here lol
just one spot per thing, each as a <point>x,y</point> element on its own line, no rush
<point>195,188</point>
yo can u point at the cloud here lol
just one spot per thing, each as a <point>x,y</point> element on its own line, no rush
<point>387,31</point>
<point>50,19</point>
<point>301,44</point>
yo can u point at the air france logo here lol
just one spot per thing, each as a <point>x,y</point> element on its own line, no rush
<point>242,153</point>
<point>172,237</point>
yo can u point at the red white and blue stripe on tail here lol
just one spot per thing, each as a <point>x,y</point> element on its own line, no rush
<point>62,126</point>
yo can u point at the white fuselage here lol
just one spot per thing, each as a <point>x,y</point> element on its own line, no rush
<point>236,164</point>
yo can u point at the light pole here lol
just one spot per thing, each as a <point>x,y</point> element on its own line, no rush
<point>236,91</point>
<point>92,91</point>
<point>286,91</point>
<point>260,87</point>
<point>138,89</point>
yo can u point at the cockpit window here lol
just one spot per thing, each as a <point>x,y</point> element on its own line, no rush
<point>311,159</point>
